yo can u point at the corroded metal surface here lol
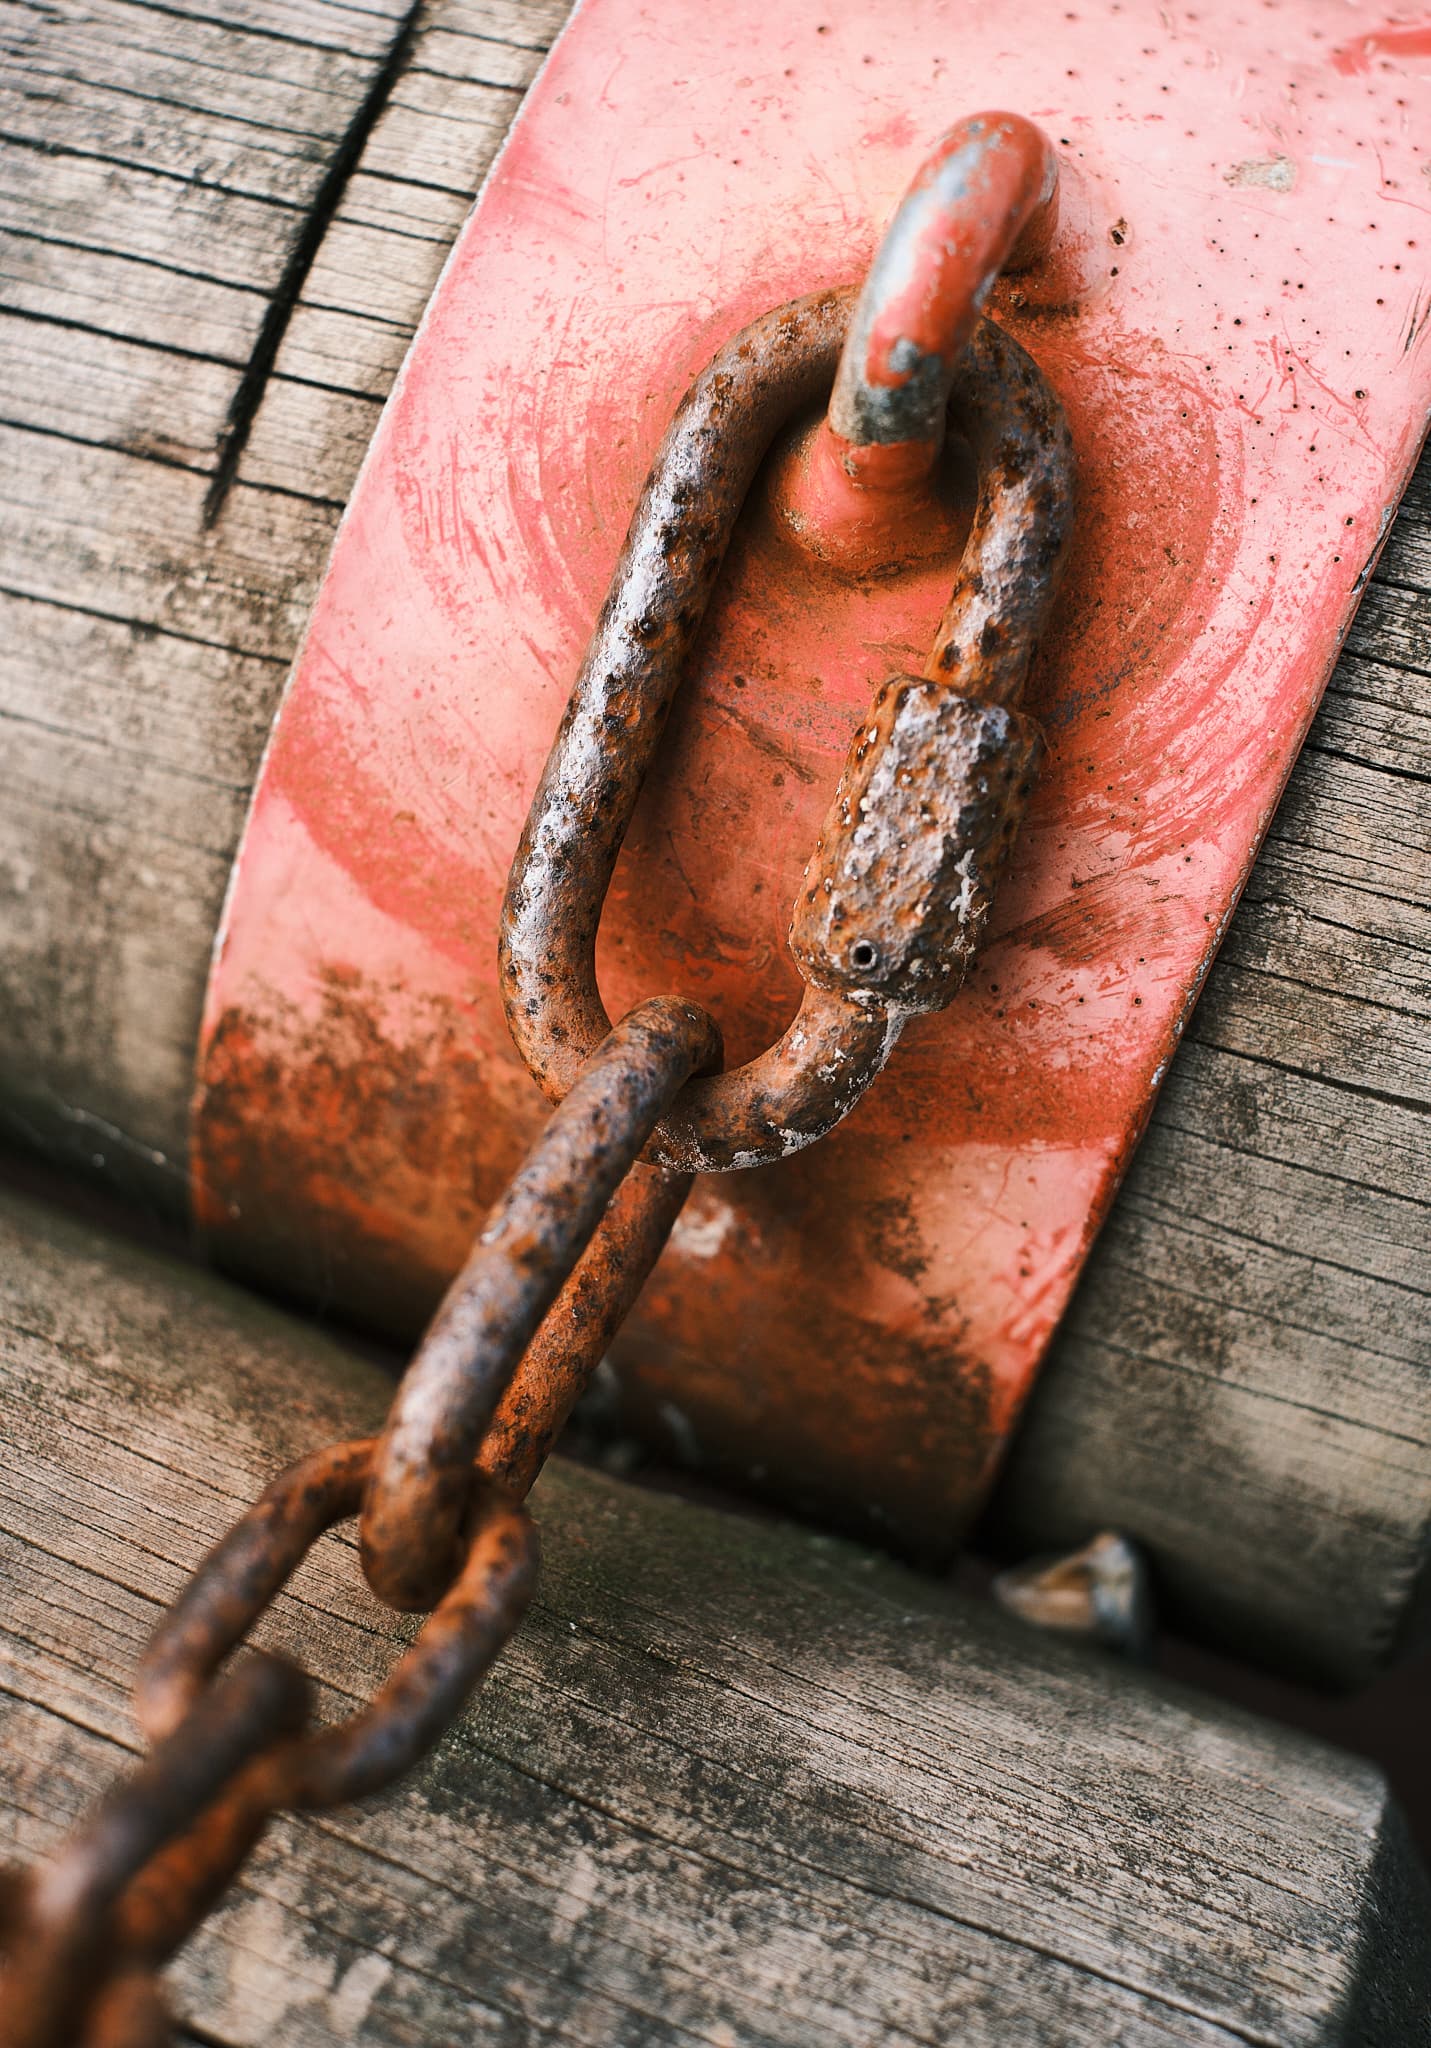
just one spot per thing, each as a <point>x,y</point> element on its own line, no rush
<point>82,1939</point>
<point>1229,316</point>
<point>76,1957</point>
<point>480,1604</point>
<point>581,1326</point>
<point>848,1022</point>
<point>898,892</point>
<point>526,1252</point>
<point>896,899</point>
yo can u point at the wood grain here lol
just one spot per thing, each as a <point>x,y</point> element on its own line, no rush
<point>1244,1380</point>
<point>733,1782</point>
<point>159,171</point>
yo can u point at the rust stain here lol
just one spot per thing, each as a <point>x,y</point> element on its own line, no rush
<point>391,1122</point>
<point>895,1439</point>
<point>1212,570</point>
<point>1264,173</point>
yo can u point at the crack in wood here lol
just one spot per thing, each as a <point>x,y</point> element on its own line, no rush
<point>1316,745</point>
<point>248,397</point>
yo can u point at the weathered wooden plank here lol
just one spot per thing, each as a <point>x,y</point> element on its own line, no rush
<point>1253,1324</point>
<point>109,393</point>
<point>340,348</point>
<point>731,1782</point>
<point>96,678</point>
<point>108,751</point>
<point>114,898</point>
<point>115,394</point>
<point>1406,558</point>
<point>436,125</point>
<point>128,534</point>
<point>128,299</point>
<point>365,264</point>
<point>525,24</point>
<point>1377,715</point>
<point>456,49</point>
<point>1391,625</point>
<point>121,126</point>
<point>1260,1291</point>
<point>64,196</point>
<point>300,78</point>
<point>305,433</point>
<point>182,153</point>
<point>403,209</point>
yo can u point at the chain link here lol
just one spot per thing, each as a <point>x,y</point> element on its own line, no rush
<point>892,906</point>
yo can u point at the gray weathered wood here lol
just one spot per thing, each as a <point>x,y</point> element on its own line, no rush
<point>732,1783</point>
<point>1244,1381</point>
<point>159,171</point>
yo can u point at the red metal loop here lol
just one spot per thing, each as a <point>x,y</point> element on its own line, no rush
<point>985,199</point>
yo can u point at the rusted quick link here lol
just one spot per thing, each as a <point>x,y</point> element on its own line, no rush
<point>777,367</point>
<point>66,1936</point>
<point>897,893</point>
<point>422,1479</point>
<point>985,200</point>
<point>843,1033</point>
<point>429,1682</point>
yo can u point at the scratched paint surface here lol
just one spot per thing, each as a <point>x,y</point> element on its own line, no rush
<point>1235,318</point>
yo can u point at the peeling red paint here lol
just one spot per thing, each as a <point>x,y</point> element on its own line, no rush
<point>1244,372</point>
<point>1399,43</point>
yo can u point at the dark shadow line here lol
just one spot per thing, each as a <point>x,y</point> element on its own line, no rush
<point>243,410</point>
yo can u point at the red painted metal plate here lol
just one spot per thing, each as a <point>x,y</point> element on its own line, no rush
<point>1235,318</point>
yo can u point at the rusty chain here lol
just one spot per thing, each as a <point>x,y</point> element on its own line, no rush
<point>897,893</point>
<point>891,909</point>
